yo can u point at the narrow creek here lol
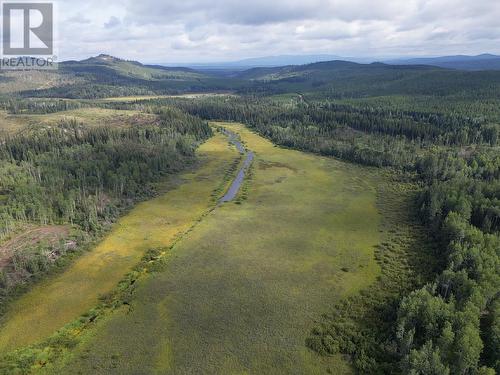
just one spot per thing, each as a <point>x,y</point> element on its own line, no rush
<point>249,155</point>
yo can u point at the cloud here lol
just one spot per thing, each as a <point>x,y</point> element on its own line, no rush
<point>112,22</point>
<point>261,12</point>
<point>202,30</point>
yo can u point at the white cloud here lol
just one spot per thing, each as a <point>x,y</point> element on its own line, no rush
<point>201,30</point>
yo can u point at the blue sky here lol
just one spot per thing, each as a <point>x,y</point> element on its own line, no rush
<point>224,30</point>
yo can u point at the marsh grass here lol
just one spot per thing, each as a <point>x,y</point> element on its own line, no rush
<point>240,292</point>
<point>361,326</point>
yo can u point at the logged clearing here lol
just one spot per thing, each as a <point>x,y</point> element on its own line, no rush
<point>128,99</point>
<point>11,124</point>
<point>240,293</point>
<point>52,303</point>
<point>31,237</point>
<point>87,116</point>
<point>96,117</point>
<point>18,80</point>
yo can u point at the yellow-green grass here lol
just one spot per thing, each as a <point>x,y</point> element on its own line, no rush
<point>126,99</point>
<point>52,303</point>
<point>240,293</point>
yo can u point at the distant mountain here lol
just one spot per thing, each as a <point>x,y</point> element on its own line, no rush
<point>105,76</point>
<point>324,70</point>
<point>282,60</point>
<point>100,59</point>
<point>270,61</point>
<point>459,62</point>
<point>341,79</point>
<point>105,64</point>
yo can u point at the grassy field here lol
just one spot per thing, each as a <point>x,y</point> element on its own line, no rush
<point>240,293</point>
<point>127,99</point>
<point>11,124</point>
<point>156,223</point>
<point>95,117</point>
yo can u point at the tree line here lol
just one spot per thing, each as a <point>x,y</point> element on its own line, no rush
<point>366,135</point>
<point>452,325</point>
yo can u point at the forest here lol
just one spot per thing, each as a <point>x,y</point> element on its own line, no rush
<point>86,177</point>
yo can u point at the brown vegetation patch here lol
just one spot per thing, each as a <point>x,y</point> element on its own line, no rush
<point>33,236</point>
<point>263,164</point>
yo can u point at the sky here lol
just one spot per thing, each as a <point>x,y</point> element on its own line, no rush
<point>200,31</point>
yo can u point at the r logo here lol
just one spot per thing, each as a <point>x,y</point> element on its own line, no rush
<point>27,29</point>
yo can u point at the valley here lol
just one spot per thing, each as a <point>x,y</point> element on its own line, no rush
<point>237,289</point>
<point>332,217</point>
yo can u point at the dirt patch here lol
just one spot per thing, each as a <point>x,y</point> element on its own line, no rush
<point>32,236</point>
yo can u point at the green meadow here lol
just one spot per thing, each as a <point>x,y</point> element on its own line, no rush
<point>241,291</point>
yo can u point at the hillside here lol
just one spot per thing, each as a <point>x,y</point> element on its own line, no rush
<point>459,62</point>
<point>133,69</point>
<point>341,79</point>
<point>105,76</point>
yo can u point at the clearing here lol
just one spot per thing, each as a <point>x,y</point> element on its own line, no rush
<point>31,237</point>
<point>128,99</point>
<point>11,124</point>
